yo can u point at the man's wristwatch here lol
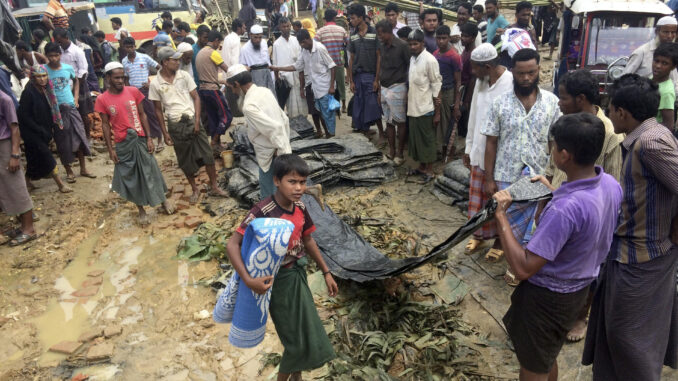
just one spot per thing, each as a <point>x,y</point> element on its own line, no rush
<point>13,156</point>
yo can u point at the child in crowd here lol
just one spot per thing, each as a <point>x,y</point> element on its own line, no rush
<point>306,345</point>
<point>449,61</point>
<point>664,62</point>
<point>572,239</point>
<point>404,32</point>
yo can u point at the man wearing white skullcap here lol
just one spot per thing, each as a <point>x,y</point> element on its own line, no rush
<point>640,61</point>
<point>255,56</point>
<point>492,81</point>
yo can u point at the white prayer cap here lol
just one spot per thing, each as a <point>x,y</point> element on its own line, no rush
<point>234,70</point>
<point>112,66</point>
<point>455,32</point>
<point>484,53</point>
<point>184,47</point>
<point>667,20</point>
<point>256,29</point>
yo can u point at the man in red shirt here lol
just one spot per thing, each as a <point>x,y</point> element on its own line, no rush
<point>136,176</point>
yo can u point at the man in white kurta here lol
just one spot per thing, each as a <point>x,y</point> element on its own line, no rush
<point>268,128</point>
<point>230,50</point>
<point>286,50</point>
<point>254,55</point>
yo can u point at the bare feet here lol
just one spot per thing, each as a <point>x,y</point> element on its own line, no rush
<point>144,219</point>
<point>65,189</point>
<point>217,192</point>
<point>316,191</point>
<point>87,174</point>
<point>169,208</point>
<point>577,332</point>
<point>194,197</point>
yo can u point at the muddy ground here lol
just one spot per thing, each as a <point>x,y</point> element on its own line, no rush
<point>142,314</point>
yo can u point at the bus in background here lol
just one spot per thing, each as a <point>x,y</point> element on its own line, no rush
<point>138,18</point>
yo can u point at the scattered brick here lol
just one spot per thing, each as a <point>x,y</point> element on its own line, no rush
<point>113,330</point>
<point>66,347</point>
<point>91,335</point>
<point>95,273</point>
<point>94,281</point>
<point>86,292</point>
<point>192,222</point>
<point>181,205</point>
<point>100,351</point>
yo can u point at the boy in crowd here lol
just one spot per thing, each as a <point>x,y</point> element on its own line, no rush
<point>664,62</point>
<point>450,98</point>
<point>469,34</point>
<point>403,33</point>
<point>71,139</point>
<point>306,345</point>
<point>120,32</point>
<point>563,257</point>
<point>108,51</point>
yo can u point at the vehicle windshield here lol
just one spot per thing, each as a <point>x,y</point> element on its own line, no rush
<point>612,36</point>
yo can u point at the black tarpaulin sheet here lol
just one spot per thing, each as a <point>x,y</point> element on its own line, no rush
<point>349,256</point>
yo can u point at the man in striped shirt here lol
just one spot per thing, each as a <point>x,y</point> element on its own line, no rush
<point>335,39</point>
<point>633,328</point>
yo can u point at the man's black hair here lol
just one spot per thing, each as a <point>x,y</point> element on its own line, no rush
<point>214,36</point>
<point>523,5</point>
<point>52,47</point>
<point>166,15</point>
<point>635,94</point>
<point>494,2</point>
<point>167,25</point>
<point>99,34</point>
<point>404,32</point>
<point>60,32</point>
<point>443,30</point>
<point>303,35</point>
<point>237,23</point>
<point>189,40</point>
<point>416,35</point>
<point>357,9</point>
<point>479,8</point>
<point>297,24</point>
<point>184,26</point>
<point>39,34</point>
<point>21,45</point>
<point>242,78</point>
<point>581,134</point>
<point>467,6</point>
<point>668,50</point>
<point>289,163</point>
<point>470,29</point>
<point>525,54</point>
<point>429,11</point>
<point>284,20</point>
<point>330,15</point>
<point>581,82</point>
<point>384,26</point>
<point>85,30</point>
<point>116,20</point>
<point>202,29</point>
<point>128,41</point>
<point>392,7</point>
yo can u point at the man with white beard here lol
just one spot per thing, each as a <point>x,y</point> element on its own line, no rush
<point>254,55</point>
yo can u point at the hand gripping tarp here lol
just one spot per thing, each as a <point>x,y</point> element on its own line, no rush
<point>349,256</point>
<point>264,246</point>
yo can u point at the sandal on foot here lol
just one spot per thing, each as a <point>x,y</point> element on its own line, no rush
<point>510,279</point>
<point>398,161</point>
<point>22,239</point>
<point>159,149</point>
<point>89,175</point>
<point>70,179</point>
<point>12,233</point>
<point>472,245</point>
<point>494,255</point>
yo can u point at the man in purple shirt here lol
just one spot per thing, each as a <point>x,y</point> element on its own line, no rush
<point>572,239</point>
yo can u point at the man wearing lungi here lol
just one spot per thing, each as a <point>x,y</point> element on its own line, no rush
<point>14,197</point>
<point>364,69</point>
<point>564,256</point>
<point>423,106</point>
<point>493,80</point>
<point>316,64</point>
<point>137,66</point>
<point>254,55</point>
<point>286,50</point>
<point>174,92</point>
<point>209,62</point>
<point>136,177</point>
<point>74,56</point>
<point>268,128</point>
<point>72,137</point>
<point>395,54</point>
<point>517,133</point>
<point>633,326</point>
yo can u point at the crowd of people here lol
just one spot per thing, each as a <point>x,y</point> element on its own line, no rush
<point>604,243</point>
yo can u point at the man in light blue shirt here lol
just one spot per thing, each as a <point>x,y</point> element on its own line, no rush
<point>495,20</point>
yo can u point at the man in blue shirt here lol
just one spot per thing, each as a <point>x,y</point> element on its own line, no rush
<point>495,21</point>
<point>163,38</point>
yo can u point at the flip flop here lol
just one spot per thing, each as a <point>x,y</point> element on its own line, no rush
<point>472,245</point>
<point>159,149</point>
<point>398,161</point>
<point>70,179</point>
<point>494,255</point>
<point>22,239</point>
<point>88,175</point>
<point>510,279</point>
<point>11,233</point>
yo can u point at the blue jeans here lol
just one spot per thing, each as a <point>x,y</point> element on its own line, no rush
<point>323,105</point>
<point>266,186</point>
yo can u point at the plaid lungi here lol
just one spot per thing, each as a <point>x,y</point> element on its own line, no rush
<point>520,216</point>
<point>476,202</point>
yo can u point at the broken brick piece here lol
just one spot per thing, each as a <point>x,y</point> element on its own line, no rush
<point>192,222</point>
<point>95,273</point>
<point>66,347</point>
<point>94,281</point>
<point>91,335</point>
<point>86,292</point>
<point>100,351</point>
<point>113,330</point>
<point>181,205</point>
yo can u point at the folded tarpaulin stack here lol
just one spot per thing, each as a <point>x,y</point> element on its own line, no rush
<point>264,246</point>
<point>300,126</point>
<point>451,187</point>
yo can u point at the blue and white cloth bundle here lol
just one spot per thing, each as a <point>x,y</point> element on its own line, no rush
<point>263,248</point>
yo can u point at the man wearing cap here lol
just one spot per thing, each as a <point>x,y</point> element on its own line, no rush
<point>268,128</point>
<point>185,61</point>
<point>640,61</point>
<point>286,51</point>
<point>254,55</point>
<point>493,80</point>
<point>208,62</point>
<point>136,177</point>
<point>174,91</point>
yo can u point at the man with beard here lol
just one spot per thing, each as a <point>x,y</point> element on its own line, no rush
<point>517,131</point>
<point>523,17</point>
<point>136,177</point>
<point>463,17</point>
<point>174,91</point>
<point>286,50</point>
<point>640,61</point>
<point>254,55</point>
<point>208,63</point>
<point>268,127</point>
